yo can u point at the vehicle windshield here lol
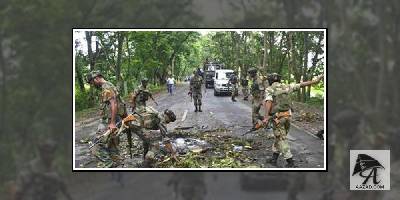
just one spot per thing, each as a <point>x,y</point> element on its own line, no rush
<point>229,74</point>
<point>224,76</point>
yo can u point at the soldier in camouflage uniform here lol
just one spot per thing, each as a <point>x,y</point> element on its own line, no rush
<point>140,96</point>
<point>113,110</point>
<point>278,106</point>
<point>39,180</point>
<point>233,81</point>
<point>196,83</point>
<point>258,87</point>
<point>245,88</point>
<point>143,125</point>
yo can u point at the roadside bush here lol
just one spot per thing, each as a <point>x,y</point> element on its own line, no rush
<point>81,99</point>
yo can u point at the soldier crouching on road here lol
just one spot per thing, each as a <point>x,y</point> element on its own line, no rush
<point>278,108</point>
<point>196,83</point>
<point>149,120</point>
<point>113,110</point>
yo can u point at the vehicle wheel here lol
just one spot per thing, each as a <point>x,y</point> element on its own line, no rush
<point>215,93</point>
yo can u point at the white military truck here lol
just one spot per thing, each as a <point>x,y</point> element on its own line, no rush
<point>221,82</point>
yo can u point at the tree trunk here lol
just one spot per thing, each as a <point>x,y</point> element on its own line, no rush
<point>90,52</point>
<point>91,65</point>
<point>314,62</point>
<point>173,65</point>
<point>290,55</point>
<point>264,63</point>
<point>79,75</point>
<point>304,69</point>
<point>119,58</point>
<point>271,63</point>
<point>130,74</point>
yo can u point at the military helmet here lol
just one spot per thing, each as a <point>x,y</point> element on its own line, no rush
<point>252,70</point>
<point>145,80</point>
<point>274,77</point>
<point>92,75</point>
<point>171,115</point>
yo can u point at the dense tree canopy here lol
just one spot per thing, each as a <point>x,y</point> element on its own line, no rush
<point>124,57</point>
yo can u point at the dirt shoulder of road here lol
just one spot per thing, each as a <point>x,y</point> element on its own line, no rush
<point>308,117</point>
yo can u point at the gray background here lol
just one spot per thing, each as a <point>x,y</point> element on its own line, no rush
<point>36,85</point>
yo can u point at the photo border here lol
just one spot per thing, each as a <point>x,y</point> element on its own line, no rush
<point>326,149</point>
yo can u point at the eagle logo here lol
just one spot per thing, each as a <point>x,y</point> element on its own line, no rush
<point>365,163</point>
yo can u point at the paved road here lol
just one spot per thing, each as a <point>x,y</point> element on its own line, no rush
<point>219,113</point>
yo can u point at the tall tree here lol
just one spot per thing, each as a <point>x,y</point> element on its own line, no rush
<point>78,66</point>
<point>264,63</point>
<point>121,37</point>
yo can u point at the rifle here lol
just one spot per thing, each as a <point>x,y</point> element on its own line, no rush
<point>191,95</point>
<point>150,95</point>
<point>121,125</point>
<point>129,138</point>
<point>261,124</point>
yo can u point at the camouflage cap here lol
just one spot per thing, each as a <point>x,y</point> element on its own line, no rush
<point>252,70</point>
<point>274,77</point>
<point>145,80</point>
<point>92,75</point>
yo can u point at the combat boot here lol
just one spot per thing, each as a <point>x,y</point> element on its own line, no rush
<point>196,109</point>
<point>233,99</point>
<point>290,163</point>
<point>274,159</point>
<point>200,109</point>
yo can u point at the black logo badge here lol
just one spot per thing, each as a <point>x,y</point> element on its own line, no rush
<point>364,163</point>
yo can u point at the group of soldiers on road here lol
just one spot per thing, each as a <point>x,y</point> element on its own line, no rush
<point>268,93</point>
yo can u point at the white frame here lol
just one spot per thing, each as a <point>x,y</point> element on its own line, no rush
<point>203,169</point>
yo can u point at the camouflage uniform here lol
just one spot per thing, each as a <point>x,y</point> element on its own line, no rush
<point>195,87</point>
<point>278,94</point>
<point>245,89</point>
<point>38,180</point>
<point>257,91</point>
<point>145,126</point>
<point>140,96</point>
<point>233,82</point>
<point>107,151</point>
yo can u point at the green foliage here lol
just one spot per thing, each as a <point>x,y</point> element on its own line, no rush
<point>316,102</point>
<point>81,99</point>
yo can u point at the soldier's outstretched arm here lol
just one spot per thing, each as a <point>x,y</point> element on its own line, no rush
<point>307,83</point>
